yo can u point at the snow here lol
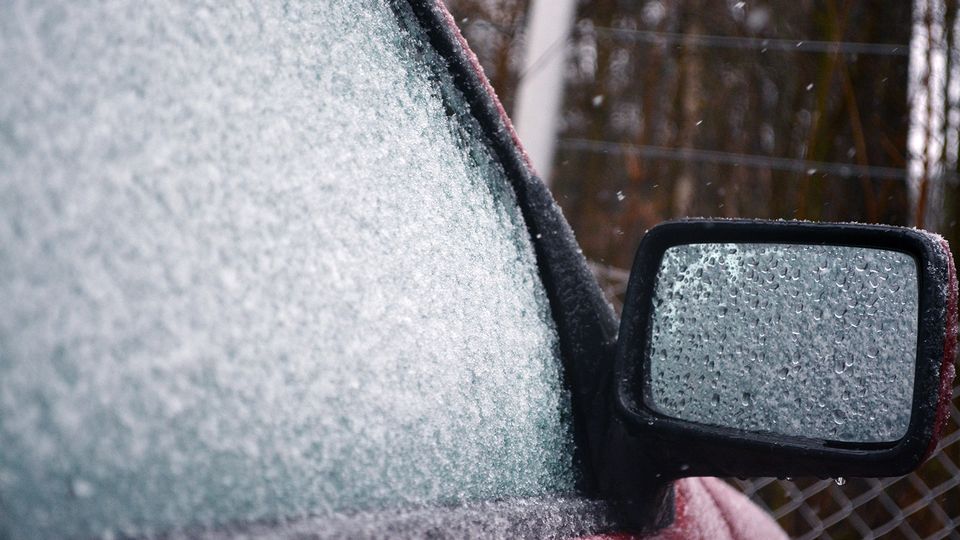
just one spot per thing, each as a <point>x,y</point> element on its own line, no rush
<point>256,266</point>
<point>801,340</point>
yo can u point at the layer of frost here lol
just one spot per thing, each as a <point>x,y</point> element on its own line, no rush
<point>815,341</point>
<point>253,267</point>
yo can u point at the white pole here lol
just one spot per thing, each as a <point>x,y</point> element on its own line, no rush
<point>928,82</point>
<point>540,94</point>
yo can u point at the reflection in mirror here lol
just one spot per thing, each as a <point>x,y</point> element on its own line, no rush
<point>798,340</point>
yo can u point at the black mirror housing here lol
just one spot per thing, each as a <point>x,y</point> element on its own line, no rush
<point>683,446</point>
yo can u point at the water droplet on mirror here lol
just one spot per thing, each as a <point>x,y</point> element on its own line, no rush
<point>853,320</point>
<point>839,366</point>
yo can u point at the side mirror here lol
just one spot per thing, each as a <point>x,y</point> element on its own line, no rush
<point>752,348</point>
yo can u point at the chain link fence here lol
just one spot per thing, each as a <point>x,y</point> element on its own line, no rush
<point>922,505</point>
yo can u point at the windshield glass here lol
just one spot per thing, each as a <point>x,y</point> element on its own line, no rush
<point>257,263</point>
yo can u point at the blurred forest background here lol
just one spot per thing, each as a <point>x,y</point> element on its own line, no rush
<point>770,109</point>
<point>830,110</point>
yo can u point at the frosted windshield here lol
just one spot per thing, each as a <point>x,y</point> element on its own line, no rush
<point>800,340</point>
<point>256,264</point>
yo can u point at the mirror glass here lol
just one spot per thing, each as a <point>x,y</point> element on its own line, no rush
<point>799,340</point>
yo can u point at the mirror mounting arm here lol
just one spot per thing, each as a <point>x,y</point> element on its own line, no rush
<point>625,471</point>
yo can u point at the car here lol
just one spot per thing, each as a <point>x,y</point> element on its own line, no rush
<point>284,270</point>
